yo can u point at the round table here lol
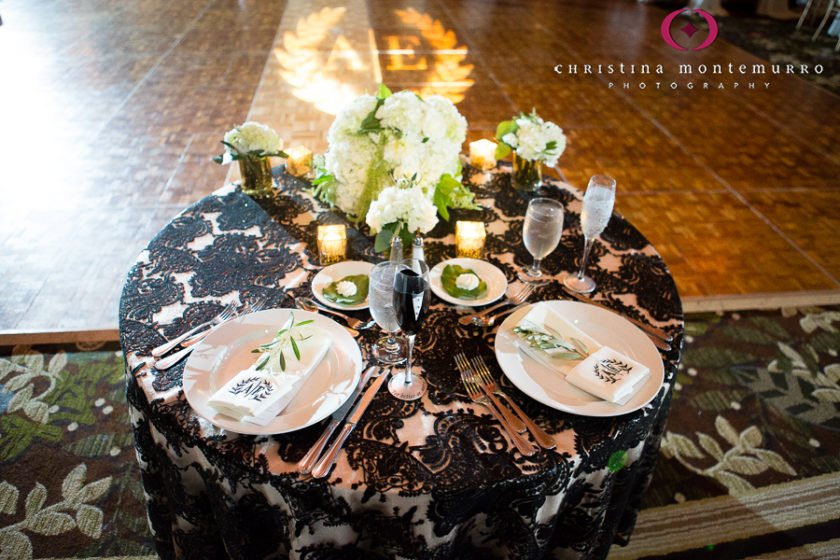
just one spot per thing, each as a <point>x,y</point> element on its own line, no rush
<point>435,477</point>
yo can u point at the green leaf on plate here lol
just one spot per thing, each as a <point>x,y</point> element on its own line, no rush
<point>360,280</point>
<point>450,275</point>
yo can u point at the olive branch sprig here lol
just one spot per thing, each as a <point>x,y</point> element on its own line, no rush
<point>573,349</point>
<point>283,337</point>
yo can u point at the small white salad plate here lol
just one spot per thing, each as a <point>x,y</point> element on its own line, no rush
<point>334,273</point>
<point>492,276</point>
<point>227,351</point>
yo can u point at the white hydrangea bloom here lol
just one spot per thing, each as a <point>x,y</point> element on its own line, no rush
<point>532,138</point>
<point>410,206</point>
<point>252,136</point>
<point>419,139</point>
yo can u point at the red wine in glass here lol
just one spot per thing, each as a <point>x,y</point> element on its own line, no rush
<point>411,306</point>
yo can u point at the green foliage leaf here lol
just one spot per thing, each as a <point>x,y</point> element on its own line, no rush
<point>725,429</point>
<point>361,282</point>
<point>617,460</point>
<point>710,445</point>
<point>14,544</point>
<point>747,334</point>
<point>744,465</point>
<point>383,92</point>
<point>95,490</point>
<point>681,445</point>
<point>734,483</point>
<point>504,128</point>
<point>71,487</point>
<point>9,495</point>
<point>769,326</point>
<point>715,357</point>
<point>18,434</point>
<point>775,461</point>
<point>449,277</point>
<point>89,520</point>
<point>750,438</point>
<point>35,500</point>
<point>383,238</point>
<point>502,150</point>
<point>51,523</point>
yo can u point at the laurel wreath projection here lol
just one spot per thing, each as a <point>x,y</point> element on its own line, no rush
<point>329,76</point>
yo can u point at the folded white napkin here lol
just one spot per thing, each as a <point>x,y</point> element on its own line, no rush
<point>542,318</point>
<point>258,396</point>
<point>609,375</point>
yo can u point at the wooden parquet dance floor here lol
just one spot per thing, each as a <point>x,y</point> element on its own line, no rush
<point>111,110</point>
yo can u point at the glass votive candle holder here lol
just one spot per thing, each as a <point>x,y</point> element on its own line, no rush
<point>483,154</point>
<point>332,243</point>
<point>299,162</point>
<point>469,239</point>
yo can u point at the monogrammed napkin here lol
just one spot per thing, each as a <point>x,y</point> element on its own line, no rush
<point>609,375</point>
<point>259,393</point>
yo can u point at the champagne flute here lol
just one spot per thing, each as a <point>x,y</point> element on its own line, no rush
<point>411,305</point>
<point>598,204</point>
<point>388,349</point>
<point>541,233</point>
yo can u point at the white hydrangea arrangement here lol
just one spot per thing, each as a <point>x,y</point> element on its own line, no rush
<point>250,139</point>
<point>393,161</point>
<point>531,138</point>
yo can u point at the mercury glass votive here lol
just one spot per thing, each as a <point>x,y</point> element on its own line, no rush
<point>483,154</point>
<point>469,239</point>
<point>332,243</point>
<point>299,162</point>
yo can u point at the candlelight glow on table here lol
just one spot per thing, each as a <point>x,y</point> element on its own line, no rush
<point>332,243</point>
<point>299,162</point>
<point>469,239</point>
<point>483,154</point>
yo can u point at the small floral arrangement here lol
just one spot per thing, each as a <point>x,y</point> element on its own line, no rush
<point>250,140</point>
<point>531,138</point>
<point>393,161</point>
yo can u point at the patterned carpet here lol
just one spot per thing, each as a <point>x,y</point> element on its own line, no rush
<point>750,465</point>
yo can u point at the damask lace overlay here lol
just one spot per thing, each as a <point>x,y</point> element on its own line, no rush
<point>432,478</point>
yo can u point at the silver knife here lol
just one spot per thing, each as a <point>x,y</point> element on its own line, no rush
<point>305,464</point>
<point>650,330</point>
<point>326,462</point>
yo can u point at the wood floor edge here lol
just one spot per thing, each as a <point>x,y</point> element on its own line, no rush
<point>744,302</point>
<point>12,338</point>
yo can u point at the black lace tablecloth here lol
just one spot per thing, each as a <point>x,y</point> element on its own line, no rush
<point>434,478</point>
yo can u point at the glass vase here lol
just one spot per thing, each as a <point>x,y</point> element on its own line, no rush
<point>526,174</point>
<point>256,176</point>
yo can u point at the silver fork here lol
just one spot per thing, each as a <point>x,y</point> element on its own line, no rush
<point>173,359</point>
<point>226,314</point>
<point>511,419</point>
<point>489,384</point>
<point>477,396</point>
<point>513,299</point>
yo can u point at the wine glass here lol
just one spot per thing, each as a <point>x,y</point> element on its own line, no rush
<point>541,233</point>
<point>411,305</point>
<point>598,204</point>
<point>388,349</point>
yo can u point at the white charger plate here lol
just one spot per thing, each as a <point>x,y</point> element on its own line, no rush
<point>227,351</point>
<point>334,273</point>
<point>550,388</point>
<point>492,276</point>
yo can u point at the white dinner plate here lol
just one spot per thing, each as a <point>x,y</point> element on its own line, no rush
<point>227,351</point>
<point>334,273</point>
<point>495,279</point>
<point>550,388</point>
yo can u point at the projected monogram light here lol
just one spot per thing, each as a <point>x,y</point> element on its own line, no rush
<point>329,69</point>
<point>689,29</point>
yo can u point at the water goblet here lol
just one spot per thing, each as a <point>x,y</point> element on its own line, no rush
<point>411,306</point>
<point>541,233</point>
<point>598,204</point>
<point>388,349</point>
